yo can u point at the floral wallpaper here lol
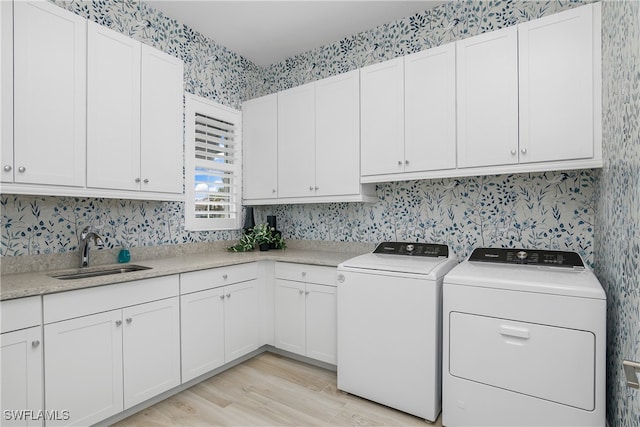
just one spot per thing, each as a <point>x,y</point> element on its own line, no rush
<point>553,210</point>
<point>617,224</point>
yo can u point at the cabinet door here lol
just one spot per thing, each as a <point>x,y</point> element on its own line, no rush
<point>321,321</point>
<point>290,316</point>
<point>430,109</point>
<point>487,84</point>
<point>556,87</point>
<point>6,91</point>
<point>202,325</point>
<point>382,118</point>
<point>21,372</point>
<point>260,145</point>
<point>296,142</point>
<point>113,110</point>
<point>241,319</point>
<point>161,134</point>
<point>337,142</point>
<point>49,95</point>
<point>151,349</point>
<point>83,359</point>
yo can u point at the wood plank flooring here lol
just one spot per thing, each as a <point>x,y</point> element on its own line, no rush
<point>270,390</point>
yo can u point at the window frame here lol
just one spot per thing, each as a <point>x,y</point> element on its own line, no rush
<point>198,105</point>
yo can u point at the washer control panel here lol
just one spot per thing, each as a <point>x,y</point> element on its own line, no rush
<point>527,256</point>
<point>412,249</point>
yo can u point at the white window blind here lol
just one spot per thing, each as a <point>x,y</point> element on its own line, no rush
<point>213,159</point>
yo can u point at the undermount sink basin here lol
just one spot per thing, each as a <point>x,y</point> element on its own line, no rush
<point>84,273</point>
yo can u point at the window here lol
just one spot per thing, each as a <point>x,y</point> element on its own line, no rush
<point>212,165</point>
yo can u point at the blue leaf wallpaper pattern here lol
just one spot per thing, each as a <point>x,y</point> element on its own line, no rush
<point>554,210</point>
<point>617,243</point>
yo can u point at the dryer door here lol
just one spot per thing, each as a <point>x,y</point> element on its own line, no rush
<point>546,362</point>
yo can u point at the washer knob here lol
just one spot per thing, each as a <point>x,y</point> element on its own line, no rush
<point>409,248</point>
<point>522,255</point>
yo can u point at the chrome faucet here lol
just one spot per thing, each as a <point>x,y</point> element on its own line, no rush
<point>85,235</point>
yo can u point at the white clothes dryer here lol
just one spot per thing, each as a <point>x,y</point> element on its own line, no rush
<point>524,341</point>
<point>389,326</point>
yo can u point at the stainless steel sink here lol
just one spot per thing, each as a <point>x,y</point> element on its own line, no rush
<point>84,273</point>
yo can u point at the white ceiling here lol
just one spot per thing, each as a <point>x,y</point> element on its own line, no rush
<point>266,32</point>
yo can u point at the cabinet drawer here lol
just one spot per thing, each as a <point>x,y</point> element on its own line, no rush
<point>306,273</point>
<point>67,305</point>
<point>21,313</point>
<point>215,277</point>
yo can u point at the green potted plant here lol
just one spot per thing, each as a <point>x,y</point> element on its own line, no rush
<point>262,235</point>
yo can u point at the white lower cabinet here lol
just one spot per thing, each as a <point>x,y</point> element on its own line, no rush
<point>219,321</point>
<point>305,310</point>
<point>21,361</point>
<point>97,365</point>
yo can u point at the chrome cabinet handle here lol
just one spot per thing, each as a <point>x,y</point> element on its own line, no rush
<point>222,296</point>
<point>317,188</point>
<point>224,276</point>
<point>137,179</point>
<point>146,180</point>
<point>399,162</point>
<point>129,319</point>
<point>300,291</point>
<point>406,162</point>
<point>513,152</point>
<point>228,295</point>
<point>310,188</point>
<point>307,293</point>
<point>7,168</point>
<point>22,169</point>
<point>118,322</point>
<point>304,274</point>
<point>523,151</point>
<point>273,191</point>
<point>35,343</point>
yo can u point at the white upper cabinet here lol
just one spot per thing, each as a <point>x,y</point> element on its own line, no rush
<point>113,110</point>
<point>316,144</point>
<point>430,109</point>
<point>161,136</point>
<point>49,96</point>
<point>296,142</point>
<point>382,118</point>
<point>556,55</point>
<point>6,91</point>
<point>337,126</point>
<point>487,83</point>
<point>260,142</point>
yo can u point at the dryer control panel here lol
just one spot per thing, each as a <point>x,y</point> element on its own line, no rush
<point>527,256</point>
<point>412,249</point>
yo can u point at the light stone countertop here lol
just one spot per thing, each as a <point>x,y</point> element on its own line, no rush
<point>26,284</point>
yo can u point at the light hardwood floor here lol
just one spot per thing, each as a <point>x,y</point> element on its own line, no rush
<point>270,390</point>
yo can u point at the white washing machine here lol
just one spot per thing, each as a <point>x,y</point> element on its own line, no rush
<point>524,341</point>
<point>389,326</point>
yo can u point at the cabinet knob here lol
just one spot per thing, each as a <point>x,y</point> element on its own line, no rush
<point>273,191</point>
<point>146,180</point>
<point>340,278</point>
<point>399,162</point>
<point>22,169</point>
<point>316,188</point>
<point>513,152</point>
<point>118,322</point>
<point>523,151</point>
<point>35,343</point>
<point>310,188</point>
<point>222,296</point>
<point>306,293</point>
<point>7,168</point>
<point>228,295</point>
<point>304,274</point>
<point>300,291</point>
<point>129,319</point>
<point>224,276</point>
<point>137,179</point>
<point>406,162</point>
